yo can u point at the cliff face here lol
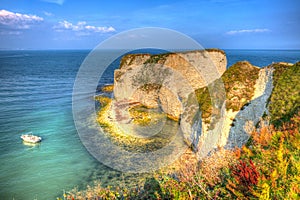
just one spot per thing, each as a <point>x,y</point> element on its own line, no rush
<point>179,85</point>
<point>165,79</point>
<point>247,91</point>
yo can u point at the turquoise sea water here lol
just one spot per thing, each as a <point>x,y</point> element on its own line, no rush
<point>36,95</point>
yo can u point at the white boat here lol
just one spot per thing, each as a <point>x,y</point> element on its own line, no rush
<point>30,138</point>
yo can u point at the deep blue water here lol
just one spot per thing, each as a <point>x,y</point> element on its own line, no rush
<point>36,95</point>
<point>262,58</point>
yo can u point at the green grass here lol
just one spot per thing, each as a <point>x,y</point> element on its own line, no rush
<point>285,98</point>
<point>157,58</point>
<point>205,104</point>
<point>239,81</point>
<point>279,69</point>
<point>130,58</point>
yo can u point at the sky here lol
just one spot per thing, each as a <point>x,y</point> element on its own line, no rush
<point>83,24</point>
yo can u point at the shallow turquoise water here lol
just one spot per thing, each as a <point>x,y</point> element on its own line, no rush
<point>36,95</point>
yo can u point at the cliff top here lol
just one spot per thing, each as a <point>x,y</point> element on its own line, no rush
<point>145,58</point>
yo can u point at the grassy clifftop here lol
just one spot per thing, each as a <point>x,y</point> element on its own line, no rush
<point>239,81</point>
<point>285,98</point>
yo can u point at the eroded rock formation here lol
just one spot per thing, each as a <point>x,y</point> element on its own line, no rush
<point>180,85</point>
<point>162,80</point>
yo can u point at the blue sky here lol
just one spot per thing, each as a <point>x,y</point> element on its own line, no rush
<point>82,24</point>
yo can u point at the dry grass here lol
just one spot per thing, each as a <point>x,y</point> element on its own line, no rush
<point>107,88</point>
<point>211,166</point>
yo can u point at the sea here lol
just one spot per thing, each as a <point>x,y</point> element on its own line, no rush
<point>36,96</point>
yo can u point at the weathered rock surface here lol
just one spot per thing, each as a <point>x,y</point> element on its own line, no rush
<point>168,81</point>
<point>146,79</point>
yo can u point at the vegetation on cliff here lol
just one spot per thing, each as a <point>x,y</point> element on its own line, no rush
<point>285,98</point>
<point>107,88</point>
<point>279,69</point>
<point>129,59</point>
<point>215,50</point>
<point>205,103</point>
<point>157,58</point>
<point>239,81</point>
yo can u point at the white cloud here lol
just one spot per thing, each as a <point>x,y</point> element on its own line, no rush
<point>18,21</point>
<point>234,32</point>
<point>49,14</point>
<point>10,32</point>
<point>59,2</point>
<point>82,27</point>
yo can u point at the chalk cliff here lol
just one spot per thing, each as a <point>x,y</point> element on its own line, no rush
<point>180,85</point>
<point>166,78</point>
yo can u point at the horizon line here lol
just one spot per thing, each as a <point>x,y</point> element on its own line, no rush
<point>90,49</point>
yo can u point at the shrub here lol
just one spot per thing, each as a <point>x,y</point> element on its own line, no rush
<point>246,175</point>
